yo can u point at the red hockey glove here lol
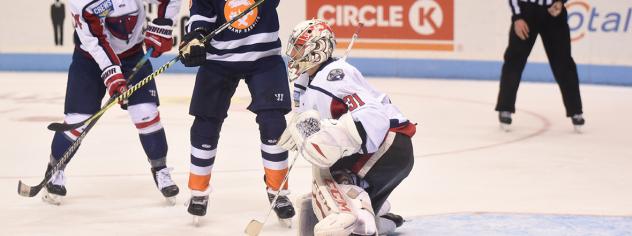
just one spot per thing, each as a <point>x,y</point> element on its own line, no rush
<point>158,36</point>
<point>113,79</point>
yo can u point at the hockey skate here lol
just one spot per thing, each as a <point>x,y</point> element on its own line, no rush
<point>55,189</point>
<point>505,120</point>
<point>197,205</point>
<point>165,184</point>
<point>578,122</point>
<point>282,207</point>
<point>388,222</point>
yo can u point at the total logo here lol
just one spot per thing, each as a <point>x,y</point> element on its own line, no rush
<point>393,24</point>
<point>584,19</point>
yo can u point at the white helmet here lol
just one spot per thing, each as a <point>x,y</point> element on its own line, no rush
<point>311,43</point>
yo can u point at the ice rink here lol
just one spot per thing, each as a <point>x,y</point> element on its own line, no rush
<point>470,178</point>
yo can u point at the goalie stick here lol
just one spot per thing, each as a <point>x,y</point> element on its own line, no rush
<point>31,191</point>
<point>131,90</point>
<point>353,39</point>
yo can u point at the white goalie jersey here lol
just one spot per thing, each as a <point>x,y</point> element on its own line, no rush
<point>338,88</point>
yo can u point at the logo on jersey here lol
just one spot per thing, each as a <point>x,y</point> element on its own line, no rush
<point>336,74</point>
<point>245,23</point>
<point>103,9</point>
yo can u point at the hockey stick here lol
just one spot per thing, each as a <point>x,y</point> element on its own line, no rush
<point>353,39</point>
<point>31,191</point>
<point>254,227</point>
<point>131,90</point>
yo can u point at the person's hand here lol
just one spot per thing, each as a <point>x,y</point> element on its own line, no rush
<point>556,8</point>
<point>158,36</point>
<point>522,29</point>
<point>192,50</point>
<point>114,80</point>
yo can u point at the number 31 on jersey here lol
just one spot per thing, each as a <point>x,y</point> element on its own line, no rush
<point>353,101</point>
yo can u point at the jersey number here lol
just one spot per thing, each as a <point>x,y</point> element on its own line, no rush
<point>353,101</point>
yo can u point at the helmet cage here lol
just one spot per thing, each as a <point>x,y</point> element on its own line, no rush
<point>313,45</point>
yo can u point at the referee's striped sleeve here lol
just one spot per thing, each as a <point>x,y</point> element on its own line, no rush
<point>516,12</point>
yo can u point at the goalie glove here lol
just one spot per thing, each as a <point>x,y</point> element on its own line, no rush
<point>336,139</point>
<point>301,126</point>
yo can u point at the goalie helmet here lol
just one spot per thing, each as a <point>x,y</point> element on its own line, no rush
<point>311,43</point>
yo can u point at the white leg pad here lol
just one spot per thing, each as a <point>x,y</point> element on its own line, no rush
<point>341,209</point>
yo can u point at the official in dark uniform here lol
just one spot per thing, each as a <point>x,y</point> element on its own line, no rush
<point>547,18</point>
<point>58,14</point>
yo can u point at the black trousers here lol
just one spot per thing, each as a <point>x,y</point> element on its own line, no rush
<point>388,172</point>
<point>555,35</point>
<point>58,30</point>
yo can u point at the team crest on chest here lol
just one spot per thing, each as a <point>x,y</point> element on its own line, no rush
<point>336,74</point>
<point>103,9</point>
<point>232,8</point>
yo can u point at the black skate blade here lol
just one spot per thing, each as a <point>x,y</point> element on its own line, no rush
<point>253,228</point>
<point>27,191</point>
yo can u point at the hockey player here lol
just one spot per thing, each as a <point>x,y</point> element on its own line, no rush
<point>108,38</point>
<point>358,142</point>
<point>248,49</point>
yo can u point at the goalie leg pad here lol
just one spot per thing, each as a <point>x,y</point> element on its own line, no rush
<point>341,209</point>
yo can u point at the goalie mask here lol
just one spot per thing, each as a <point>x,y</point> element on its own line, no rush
<point>311,43</point>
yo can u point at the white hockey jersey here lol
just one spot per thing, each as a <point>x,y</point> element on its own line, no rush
<point>338,88</point>
<point>109,28</point>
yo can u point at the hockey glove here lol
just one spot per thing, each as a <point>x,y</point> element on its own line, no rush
<point>114,81</point>
<point>336,139</point>
<point>192,50</point>
<point>158,36</point>
<point>301,126</point>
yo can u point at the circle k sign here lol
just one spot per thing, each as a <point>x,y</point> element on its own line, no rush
<point>388,20</point>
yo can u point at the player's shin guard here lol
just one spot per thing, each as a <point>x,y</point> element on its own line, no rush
<point>56,186</point>
<point>152,136</point>
<point>146,118</point>
<point>204,138</point>
<point>63,140</point>
<point>271,126</point>
<point>275,162</point>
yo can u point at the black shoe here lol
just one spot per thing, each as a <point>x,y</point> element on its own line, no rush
<point>162,178</point>
<point>198,205</point>
<point>504,117</point>
<point>56,183</point>
<point>283,206</point>
<point>578,119</point>
<point>578,122</point>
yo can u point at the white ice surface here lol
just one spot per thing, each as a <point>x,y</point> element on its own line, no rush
<point>463,164</point>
